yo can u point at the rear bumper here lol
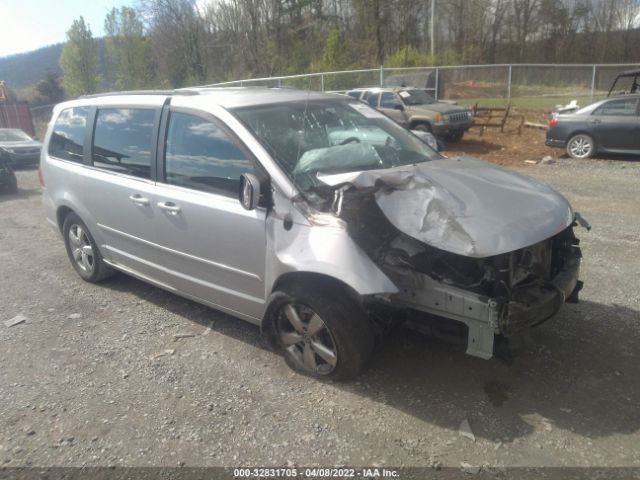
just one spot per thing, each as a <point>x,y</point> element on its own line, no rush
<point>551,142</point>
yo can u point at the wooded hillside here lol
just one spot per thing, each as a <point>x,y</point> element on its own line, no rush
<point>174,43</point>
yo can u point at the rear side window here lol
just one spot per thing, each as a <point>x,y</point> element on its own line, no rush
<point>624,107</point>
<point>122,140</point>
<point>199,154</point>
<point>354,94</point>
<point>388,100</point>
<point>373,100</point>
<point>67,137</point>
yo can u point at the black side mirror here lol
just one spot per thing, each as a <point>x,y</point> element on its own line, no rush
<point>249,194</point>
<point>399,106</point>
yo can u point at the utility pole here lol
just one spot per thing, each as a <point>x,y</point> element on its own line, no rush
<point>431,28</point>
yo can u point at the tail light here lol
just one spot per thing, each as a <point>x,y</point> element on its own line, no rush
<point>41,178</point>
<point>553,122</point>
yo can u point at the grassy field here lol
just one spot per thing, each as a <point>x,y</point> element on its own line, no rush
<point>538,102</point>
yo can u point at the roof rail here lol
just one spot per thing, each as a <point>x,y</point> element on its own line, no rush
<point>185,91</point>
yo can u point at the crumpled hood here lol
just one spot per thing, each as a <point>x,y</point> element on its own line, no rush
<point>464,205</point>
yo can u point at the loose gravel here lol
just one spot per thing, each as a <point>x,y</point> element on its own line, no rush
<point>123,373</point>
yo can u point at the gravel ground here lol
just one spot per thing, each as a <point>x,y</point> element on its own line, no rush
<point>97,376</point>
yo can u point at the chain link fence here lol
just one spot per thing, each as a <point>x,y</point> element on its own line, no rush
<point>522,85</point>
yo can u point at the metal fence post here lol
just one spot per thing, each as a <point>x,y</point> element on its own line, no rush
<point>381,75</point>
<point>322,82</point>
<point>509,83</point>
<point>436,85</point>
<point>240,82</point>
<point>279,83</point>
<point>593,81</point>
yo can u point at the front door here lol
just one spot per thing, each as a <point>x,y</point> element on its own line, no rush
<point>213,249</point>
<point>391,105</point>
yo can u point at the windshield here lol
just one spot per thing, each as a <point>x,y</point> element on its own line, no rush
<point>10,135</point>
<point>416,97</point>
<point>331,136</point>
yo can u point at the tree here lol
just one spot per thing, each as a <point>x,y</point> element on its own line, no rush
<point>179,41</point>
<point>332,55</point>
<point>525,21</point>
<point>629,18</point>
<point>78,60</point>
<point>48,90</point>
<point>127,49</point>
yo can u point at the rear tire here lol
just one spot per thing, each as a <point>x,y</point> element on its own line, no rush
<point>320,330</point>
<point>581,146</point>
<point>82,250</point>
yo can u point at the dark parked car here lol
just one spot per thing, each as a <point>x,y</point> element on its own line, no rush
<point>22,150</point>
<point>608,126</point>
<point>8,180</point>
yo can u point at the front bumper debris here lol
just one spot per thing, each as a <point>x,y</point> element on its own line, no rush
<point>533,305</point>
<point>485,316</point>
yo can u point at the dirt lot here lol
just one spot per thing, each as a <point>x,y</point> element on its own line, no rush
<point>95,376</point>
<point>508,148</point>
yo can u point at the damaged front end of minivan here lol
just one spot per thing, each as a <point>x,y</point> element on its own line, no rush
<point>461,240</point>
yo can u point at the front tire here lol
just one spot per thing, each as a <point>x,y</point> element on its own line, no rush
<point>456,136</point>
<point>423,127</point>
<point>321,331</point>
<point>581,146</point>
<point>82,250</point>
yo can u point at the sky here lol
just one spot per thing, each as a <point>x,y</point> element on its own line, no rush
<point>30,24</point>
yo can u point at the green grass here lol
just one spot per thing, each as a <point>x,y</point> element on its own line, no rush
<point>540,102</point>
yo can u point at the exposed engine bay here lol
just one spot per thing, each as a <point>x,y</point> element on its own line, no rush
<point>499,294</point>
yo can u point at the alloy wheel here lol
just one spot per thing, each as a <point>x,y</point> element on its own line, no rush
<point>580,147</point>
<point>306,339</point>
<point>81,248</point>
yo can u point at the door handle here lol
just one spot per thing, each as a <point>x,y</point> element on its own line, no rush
<point>139,199</point>
<point>170,207</point>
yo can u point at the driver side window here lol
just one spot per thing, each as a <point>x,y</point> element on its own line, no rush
<point>200,154</point>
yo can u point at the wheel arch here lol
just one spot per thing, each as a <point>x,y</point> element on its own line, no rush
<point>61,213</point>
<point>581,131</point>
<point>309,279</point>
<point>414,122</point>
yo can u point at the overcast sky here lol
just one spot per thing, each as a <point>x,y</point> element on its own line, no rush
<point>31,24</point>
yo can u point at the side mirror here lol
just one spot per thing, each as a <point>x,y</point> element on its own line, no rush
<point>399,106</point>
<point>249,194</point>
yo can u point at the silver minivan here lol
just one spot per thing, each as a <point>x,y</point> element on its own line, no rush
<point>311,215</point>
